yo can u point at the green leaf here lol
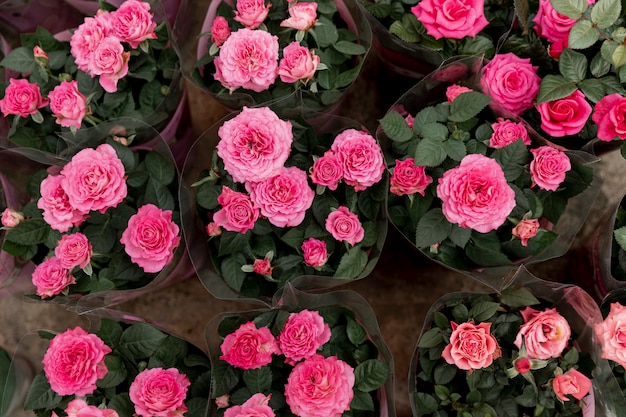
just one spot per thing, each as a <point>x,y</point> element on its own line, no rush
<point>142,340</point>
<point>225,378</point>
<point>207,196</point>
<point>430,338</point>
<point>20,59</point>
<point>620,237</point>
<point>483,311</point>
<point>593,89</point>
<point>40,395</point>
<point>232,273</point>
<point>396,127</point>
<point>517,297</point>
<point>460,235</point>
<point>435,130</point>
<point>485,250</point>
<point>110,332</point>
<point>599,66</point>
<point>29,232</point>
<point>160,168</point>
<point>159,195</point>
<point>352,263</point>
<point>356,333</point>
<point>619,55</point>
<point>258,380</point>
<point>554,87</point>
<point>362,401</point>
<point>573,65</point>
<point>455,149</point>
<point>432,228</point>
<point>430,152</point>
<point>570,8</point>
<point>371,375</point>
<point>605,13</point>
<point>468,105</point>
<point>425,403</point>
<point>349,48</point>
<point>512,159</point>
<point>116,372</point>
<point>582,35</point>
<point>444,373</point>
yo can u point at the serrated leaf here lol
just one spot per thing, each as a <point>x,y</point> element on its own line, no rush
<point>512,159</point>
<point>142,340</point>
<point>371,375</point>
<point>467,105</point>
<point>605,13</point>
<point>258,380</point>
<point>396,127</point>
<point>444,373</point>
<point>592,89</point>
<point>352,263</point>
<point>483,310</point>
<point>554,87</point>
<point>362,401</point>
<point>40,395</point>
<point>455,149</point>
<point>517,297</point>
<point>432,228</point>
<point>620,237</point>
<point>619,56</point>
<point>570,8</point>
<point>20,59</point>
<point>430,338</point>
<point>430,152</point>
<point>356,333</point>
<point>29,232</point>
<point>582,35</point>
<point>573,65</point>
<point>160,168</point>
<point>349,48</point>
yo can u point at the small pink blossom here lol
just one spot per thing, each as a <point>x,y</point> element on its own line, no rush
<point>41,57</point>
<point>73,250</point>
<point>327,171</point>
<point>11,218</point>
<point>522,365</point>
<point>159,392</point>
<point>572,382</point>
<point>220,31</point>
<point>79,408</point>
<point>555,49</point>
<point>302,335</point>
<point>302,16</point>
<point>57,210</point>
<point>408,178</point>
<point>344,225</point>
<point>297,64</point>
<point>22,98</point>
<point>455,90</point>
<point>361,158</point>
<point>249,347</point>
<point>213,229</point>
<point>262,267</point>
<point>544,333</point>
<point>51,278</point>
<point>238,213</point>
<point>314,252</point>
<point>549,167</point>
<point>132,22</point>
<point>526,229</point>
<point>255,406</point>
<point>110,61</point>
<point>251,13</point>
<point>409,120</point>
<point>68,105</point>
<point>507,131</point>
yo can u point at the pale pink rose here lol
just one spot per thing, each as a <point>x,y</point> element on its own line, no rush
<point>74,362</point>
<point>453,19</point>
<point>86,39</point>
<point>455,90</point>
<point>68,105</point>
<point>79,408</point>
<point>327,171</point>
<point>22,98</point>
<point>611,334</point>
<point>159,392</point>
<point>249,347</point>
<point>471,346</point>
<point>110,61</point>
<point>544,333</point>
<point>262,267</point>
<point>255,406</point>
<point>565,116</point>
<point>220,31</point>
<point>610,116</point>
<point>298,63</point>
<point>408,178</point>
<point>222,401</point>
<point>132,22</point>
<point>314,252</point>
<point>549,167</point>
<point>302,16</point>
<point>11,218</point>
<point>51,278</point>
<point>475,194</point>
<point>320,387</point>
<point>344,225</point>
<point>151,238</point>
<point>251,13</point>
<point>73,250</point>
<point>283,198</point>
<point>573,383</point>
<point>552,25</point>
<point>361,157</point>
<point>94,179</point>
<point>302,335</point>
<point>512,82</point>
<point>507,131</point>
<point>57,210</point>
<point>248,59</point>
<point>526,229</point>
<point>254,144</point>
<point>238,213</point>
<point>213,229</point>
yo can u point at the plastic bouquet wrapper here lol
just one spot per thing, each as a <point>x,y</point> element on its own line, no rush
<point>526,350</point>
<point>15,375</point>
<point>308,355</point>
<point>90,7</point>
<point>22,16</point>
<point>117,365</point>
<point>268,200</point>
<point>248,52</point>
<point>102,226</point>
<point>476,191</point>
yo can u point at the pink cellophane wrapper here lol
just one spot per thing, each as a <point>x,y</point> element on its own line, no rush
<point>90,7</point>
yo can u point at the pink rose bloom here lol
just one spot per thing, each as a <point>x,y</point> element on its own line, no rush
<point>86,39</point>
<point>455,90</point>
<point>74,361</point>
<point>262,267</point>
<point>73,250</point>
<point>314,252</point>
<point>255,406</point>
<point>522,365</point>
<point>151,238</point>
<point>327,171</point>
<point>80,408</point>
<point>565,116</point>
<point>248,59</point>
<point>159,392</point>
<point>94,179</point>
<point>110,62</point>
<point>302,335</point>
<point>11,218</point>
<point>302,16</point>
<point>454,19</point>
<point>512,82</point>
<point>572,383</point>
<point>68,105</point>
<point>50,278</point>
<point>475,194</point>
<point>320,387</point>
<point>219,30</point>
<point>22,98</point>
<point>549,167</point>
<point>552,25</point>
<point>57,210</point>
<point>238,213</point>
<point>254,144</point>
<point>249,347</point>
<point>556,48</point>
<point>132,22</point>
<point>611,334</point>
<point>212,229</point>
<point>361,157</point>
<point>251,13</point>
<point>545,333</point>
<point>526,229</point>
<point>409,120</point>
<point>40,55</point>
<point>283,198</point>
<point>297,63</point>
<point>610,116</point>
<point>408,178</point>
<point>506,132</point>
<point>222,401</point>
<point>344,225</point>
<point>471,346</point>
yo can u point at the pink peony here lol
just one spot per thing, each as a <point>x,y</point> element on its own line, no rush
<point>68,105</point>
<point>572,383</point>
<point>110,61</point>
<point>220,31</point>
<point>471,346</point>
<point>361,157</point>
<point>251,13</point>
<point>475,194</point>
<point>408,178</point>
<point>544,333</point>
<point>80,408</point>
<point>302,16</point>
<point>57,210</point>
<point>86,39</point>
<point>132,22</point>
<point>611,334</point>
<point>525,230</point>
<point>302,335</point>
<point>238,213</point>
<point>73,250</point>
<point>610,116</point>
<point>506,132</point>
<point>249,347</point>
<point>11,218</point>
<point>51,278</point>
<point>159,392</point>
<point>344,225</point>
<point>327,171</point>
<point>549,167</point>
<point>22,98</point>
<point>74,362</point>
<point>552,25</point>
<point>565,116</point>
<point>314,252</point>
<point>454,19</point>
<point>455,90</point>
<point>297,63</point>
<point>255,406</point>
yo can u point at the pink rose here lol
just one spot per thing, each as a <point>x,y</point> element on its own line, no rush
<point>68,105</point>
<point>151,238</point>
<point>320,387</point>
<point>471,346</point>
<point>314,252</point>
<point>552,25</point>
<point>74,361</point>
<point>22,98</point>
<point>41,57</point>
<point>454,19</point>
<point>262,267</point>
<point>248,59</point>
<point>222,401</point>
<point>361,157</point>
<point>283,198</point>
<point>565,116</point>
<point>302,16</point>
<point>610,116</point>
<point>297,63</point>
<point>611,334</point>
<point>572,383</point>
<point>522,365</point>
<point>555,49</point>
<point>132,22</point>
<point>159,392</point>
<point>249,347</point>
<point>213,229</point>
<point>512,82</point>
<point>475,194</point>
<point>544,333</point>
<point>94,179</point>
<point>11,218</point>
<point>526,229</point>
<point>302,335</point>
<point>86,39</point>
<point>80,408</point>
<point>238,213</point>
<point>409,120</point>
<point>455,90</point>
<point>506,132</point>
<point>344,225</point>
<point>255,406</point>
<point>110,61</point>
<point>408,178</point>
<point>57,210</point>
<point>327,171</point>
<point>251,13</point>
<point>549,167</point>
<point>254,144</point>
<point>220,31</point>
<point>51,278</point>
<point>73,250</point>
